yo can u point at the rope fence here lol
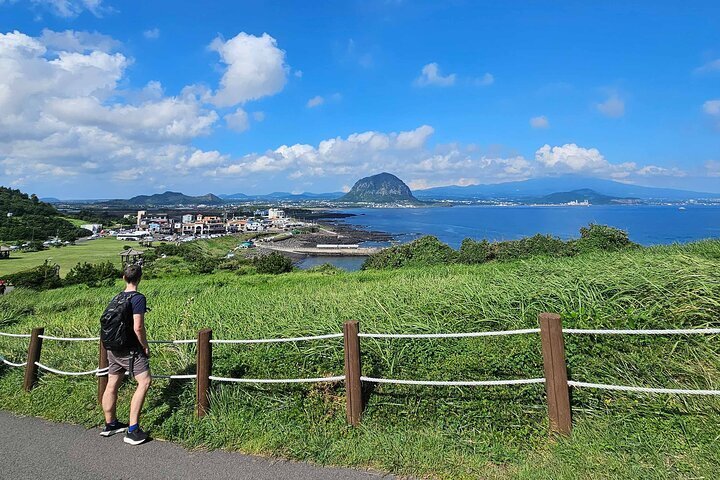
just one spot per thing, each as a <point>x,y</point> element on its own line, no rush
<point>557,385</point>
<point>449,335</point>
<point>278,380</point>
<point>438,383</point>
<point>11,364</point>
<point>280,340</point>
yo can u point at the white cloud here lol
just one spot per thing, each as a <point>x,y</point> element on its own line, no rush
<point>318,100</point>
<point>485,80</point>
<point>710,66</point>
<point>255,68</point>
<point>75,41</point>
<point>298,73</point>
<point>712,107</point>
<point>237,121</point>
<point>258,116</point>
<point>315,101</point>
<point>152,33</point>
<point>613,106</point>
<point>431,76</point>
<point>73,8</point>
<point>540,122</point>
<point>712,168</point>
<point>570,157</point>
<point>63,113</point>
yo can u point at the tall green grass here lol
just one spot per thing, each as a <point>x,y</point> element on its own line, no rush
<point>448,432</point>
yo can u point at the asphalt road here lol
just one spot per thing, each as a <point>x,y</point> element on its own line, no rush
<point>32,448</point>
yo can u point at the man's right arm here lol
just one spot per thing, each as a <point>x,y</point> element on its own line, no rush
<point>139,327</point>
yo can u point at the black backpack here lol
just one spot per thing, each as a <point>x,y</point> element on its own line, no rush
<point>116,323</point>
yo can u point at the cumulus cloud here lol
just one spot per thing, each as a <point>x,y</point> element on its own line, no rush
<point>712,168</point>
<point>431,76</point>
<point>613,106</point>
<point>485,80</point>
<point>710,66</point>
<point>237,121</point>
<point>539,122</point>
<point>66,112</point>
<point>63,113</point>
<point>712,107</point>
<point>73,8</point>
<point>318,100</point>
<point>258,116</point>
<point>571,158</point>
<point>152,34</point>
<point>78,41</point>
<point>255,68</point>
<point>315,101</point>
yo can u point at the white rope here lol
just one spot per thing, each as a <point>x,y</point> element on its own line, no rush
<point>481,383</point>
<point>679,391</point>
<point>449,335</point>
<point>685,331</point>
<point>61,372</point>
<point>279,380</point>
<point>16,335</point>
<point>70,339</point>
<point>185,341</point>
<point>280,340</point>
<point>6,362</point>
<point>175,377</point>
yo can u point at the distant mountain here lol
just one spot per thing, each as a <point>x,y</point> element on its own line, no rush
<point>545,186</point>
<point>283,196</point>
<point>381,188</point>
<point>50,200</point>
<point>171,198</point>
<point>585,195</point>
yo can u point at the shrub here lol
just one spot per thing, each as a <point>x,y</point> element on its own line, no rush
<point>602,237</point>
<point>42,277</point>
<point>325,269</point>
<point>427,250</point>
<point>530,246</point>
<point>274,263</point>
<point>472,251</point>
<point>93,275</point>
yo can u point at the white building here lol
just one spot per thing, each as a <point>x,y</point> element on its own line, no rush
<point>93,227</point>
<point>275,213</point>
<point>188,218</point>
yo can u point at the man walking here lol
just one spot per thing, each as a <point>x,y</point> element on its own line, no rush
<point>123,334</point>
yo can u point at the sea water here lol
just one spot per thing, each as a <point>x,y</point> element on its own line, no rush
<point>645,224</point>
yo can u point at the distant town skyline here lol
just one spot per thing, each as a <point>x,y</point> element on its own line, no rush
<point>109,99</point>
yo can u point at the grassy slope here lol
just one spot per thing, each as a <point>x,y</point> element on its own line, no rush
<point>449,432</point>
<point>92,251</point>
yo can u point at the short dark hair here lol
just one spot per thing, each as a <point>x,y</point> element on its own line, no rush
<point>132,273</point>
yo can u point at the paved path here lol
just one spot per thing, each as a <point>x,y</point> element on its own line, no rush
<point>32,448</point>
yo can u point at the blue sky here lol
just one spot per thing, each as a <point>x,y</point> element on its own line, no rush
<point>111,99</point>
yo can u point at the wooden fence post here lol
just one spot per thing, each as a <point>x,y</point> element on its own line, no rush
<point>558,392</point>
<point>33,356</point>
<point>203,371</point>
<point>353,386</point>
<point>103,377</point>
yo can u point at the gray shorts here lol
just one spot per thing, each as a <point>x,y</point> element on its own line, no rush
<point>134,363</point>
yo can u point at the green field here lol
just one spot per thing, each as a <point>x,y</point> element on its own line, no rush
<point>96,251</point>
<point>91,251</point>
<point>443,432</point>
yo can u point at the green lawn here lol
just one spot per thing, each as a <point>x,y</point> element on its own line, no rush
<point>91,251</point>
<point>442,432</point>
